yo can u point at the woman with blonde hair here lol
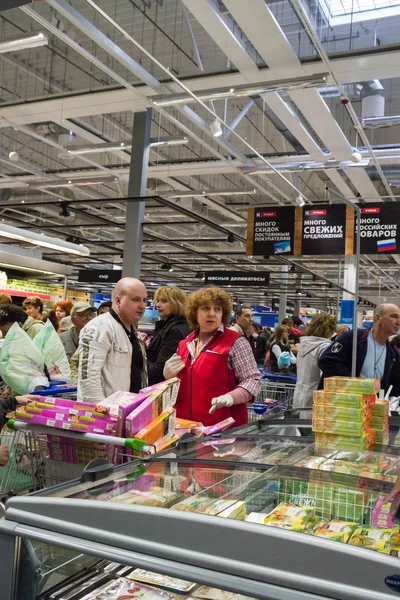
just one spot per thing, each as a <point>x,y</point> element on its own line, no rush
<point>316,340</point>
<point>172,327</point>
<point>216,365</point>
<point>282,359</point>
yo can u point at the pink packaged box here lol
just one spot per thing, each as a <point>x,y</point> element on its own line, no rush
<point>218,427</point>
<point>72,404</point>
<point>166,392</point>
<point>65,414</point>
<point>96,427</point>
<point>146,412</point>
<point>121,404</point>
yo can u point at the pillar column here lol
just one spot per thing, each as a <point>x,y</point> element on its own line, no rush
<point>283,295</point>
<point>137,187</point>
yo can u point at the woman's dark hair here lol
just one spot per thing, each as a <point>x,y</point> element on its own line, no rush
<point>9,313</point>
<point>51,316</point>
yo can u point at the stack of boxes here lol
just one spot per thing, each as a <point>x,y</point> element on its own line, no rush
<point>342,413</point>
<point>380,422</point>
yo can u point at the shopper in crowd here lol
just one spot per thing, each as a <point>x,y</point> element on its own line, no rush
<point>316,340</point>
<point>62,311</point>
<point>376,357</point>
<point>294,339</point>
<point>282,359</point>
<point>261,346</point>
<point>218,372</point>
<point>243,319</point>
<point>395,341</point>
<point>104,308</point>
<point>10,314</point>
<point>340,331</point>
<point>298,326</point>
<point>33,307</point>
<point>112,352</point>
<point>5,299</point>
<point>51,316</point>
<point>172,327</point>
<point>81,314</point>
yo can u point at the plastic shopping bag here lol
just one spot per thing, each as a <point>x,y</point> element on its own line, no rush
<point>52,350</point>
<point>284,360</point>
<point>21,363</point>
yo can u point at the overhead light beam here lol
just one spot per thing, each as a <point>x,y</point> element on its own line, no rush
<point>44,241</point>
<point>24,43</point>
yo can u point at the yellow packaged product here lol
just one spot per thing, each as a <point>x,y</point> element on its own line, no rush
<point>236,511</point>
<point>193,504</point>
<point>339,531</point>
<point>375,538</point>
<point>355,385</point>
<point>290,516</point>
<point>343,399</point>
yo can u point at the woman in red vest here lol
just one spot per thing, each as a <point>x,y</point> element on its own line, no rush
<point>216,365</point>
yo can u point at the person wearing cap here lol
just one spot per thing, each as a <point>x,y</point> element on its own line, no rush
<point>81,313</point>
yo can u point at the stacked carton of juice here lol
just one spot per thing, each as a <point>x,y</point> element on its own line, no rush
<point>342,413</point>
<point>380,421</point>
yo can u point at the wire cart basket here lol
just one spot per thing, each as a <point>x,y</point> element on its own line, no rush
<point>275,397</point>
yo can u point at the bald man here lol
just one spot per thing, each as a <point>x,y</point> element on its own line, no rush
<point>376,357</point>
<point>112,355</point>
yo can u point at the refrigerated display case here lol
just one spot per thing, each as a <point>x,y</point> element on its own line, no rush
<point>197,513</point>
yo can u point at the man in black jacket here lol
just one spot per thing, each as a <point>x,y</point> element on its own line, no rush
<point>376,357</point>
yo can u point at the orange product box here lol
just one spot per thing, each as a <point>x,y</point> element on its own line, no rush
<point>159,427</point>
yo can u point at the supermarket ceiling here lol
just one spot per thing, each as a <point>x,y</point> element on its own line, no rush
<point>275,76</point>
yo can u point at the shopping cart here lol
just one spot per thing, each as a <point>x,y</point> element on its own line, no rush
<point>24,470</point>
<point>62,455</point>
<point>275,397</point>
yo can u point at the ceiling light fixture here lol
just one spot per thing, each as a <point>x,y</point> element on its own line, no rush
<point>23,43</point>
<point>45,241</point>
<point>356,156</point>
<point>215,128</point>
<point>126,145</point>
<point>300,200</point>
<point>216,192</point>
<point>255,89</point>
<point>72,183</point>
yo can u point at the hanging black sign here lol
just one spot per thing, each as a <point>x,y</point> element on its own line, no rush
<point>237,278</point>
<point>324,229</point>
<point>99,276</point>
<point>273,231</point>
<point>379,228</point>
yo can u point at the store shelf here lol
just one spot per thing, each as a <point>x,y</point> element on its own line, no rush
<point>22,294</point>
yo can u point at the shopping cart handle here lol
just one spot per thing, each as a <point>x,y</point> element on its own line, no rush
<point>137,445</point>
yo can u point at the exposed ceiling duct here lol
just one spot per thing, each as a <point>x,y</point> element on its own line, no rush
<point>372,99</point>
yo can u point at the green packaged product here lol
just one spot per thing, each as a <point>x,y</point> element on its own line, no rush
<point>355,385</point>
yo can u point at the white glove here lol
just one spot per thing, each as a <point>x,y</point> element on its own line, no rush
<point>221,402</point>
<point>173,366</point>
<point>394,402</point>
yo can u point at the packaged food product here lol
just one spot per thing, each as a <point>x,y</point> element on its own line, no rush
<point>155,496</point>
<point>289,516</point>
<point>336,530</point>
<point>209,593</point>
<point>217,506</point>
<point>341,413</point>
<point>171,583</point>
<point>235,511</point>
<point>186,424</point>
<point>381,436</point>
<point>381,514</point>
<point>381,408</point>
<point>330,425</point>
<point>96,426</point>
<point>146,412</point>
<point>160,427</point>
<point>330,440</point>
<point>375,538</point>
<point>124,589</point>
<point>193,504</point>
<point>217,428</point>
<point>343,399</point>
<point>355,385</point>
<point>310,462</point>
